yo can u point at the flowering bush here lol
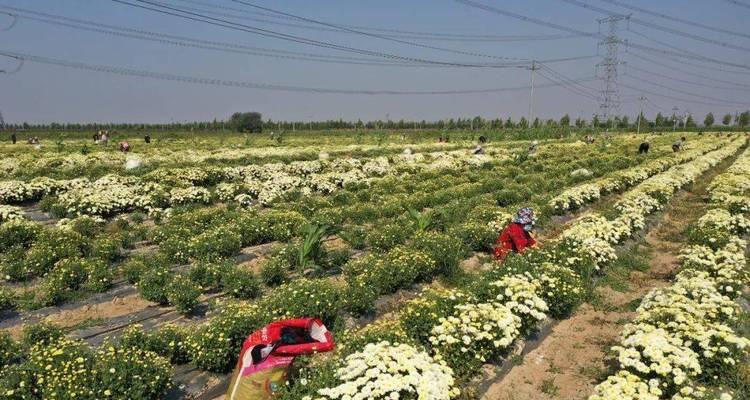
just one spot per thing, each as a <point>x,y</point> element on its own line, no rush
<point>7,299</point>
<point>474,334</point>
<point>169,341</point>
<point>445,251</point>
<point>153,285</point>
<point>18,233</point>
<point>66,369</point>
<point>10,350</point>
<point>627,386</point>
<point>240,283</point>
<point>653,352</point>
<point>520,294</point>
<point>391,371</point>
<point>314,298</point>
<point>275,270</point>
<point>387,237</point>
<point>421,314</point>
<point>213,345</point>
<point>131,373</point>
<point>67,276</point>
<point>10,213</point>
<point>183,294</point>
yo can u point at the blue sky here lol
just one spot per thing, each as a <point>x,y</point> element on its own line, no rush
<point>45,93</point>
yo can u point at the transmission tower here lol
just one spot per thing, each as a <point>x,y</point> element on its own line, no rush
<point>610,94</point>
<point>2,122</point>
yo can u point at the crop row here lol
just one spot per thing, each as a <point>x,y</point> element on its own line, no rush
<point>522,301</point>
<point>561,287</point>
<point>210,234</point>
<point>684,343</point>
<point>461,329</point>
<point>161,189</point>
<point>578,196</point>
<point>93,163</point>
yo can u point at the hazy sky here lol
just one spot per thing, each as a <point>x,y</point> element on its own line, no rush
<point>45,93</point>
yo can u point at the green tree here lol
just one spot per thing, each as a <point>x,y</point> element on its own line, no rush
<point>689,122</point>
<point>660,120</point>
<point>580,122</point>
<point>595,121</point>
<point>727,119</point>
<point>624,122</point>
<point>509,123</point>
<point>709,120</point>
<point>523,123</point>
<point>249,122</point>
<point>565,121</point>
<point>536,123</point>
<point>744,119</point>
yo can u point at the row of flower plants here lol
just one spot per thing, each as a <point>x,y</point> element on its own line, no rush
<point>576,197</point>
<point>100,160</point>
<point>161,189</point>
<point>684,343</point>
<point>519,295</point>
<point>216,237</point>
<point>213,346</point>
<point>208,235</point>
<point>463,328</point>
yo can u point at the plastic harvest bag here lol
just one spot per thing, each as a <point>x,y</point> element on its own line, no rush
<point>268,353</point>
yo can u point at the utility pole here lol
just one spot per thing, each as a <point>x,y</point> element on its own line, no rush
<point>640,99</point>
<point>610,62</point>
<point>674,117</point>
<point>2,122</point>
<point>534,67</point>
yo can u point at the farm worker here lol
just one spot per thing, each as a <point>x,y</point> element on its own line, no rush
<point>478,150</point>
<point>13,137</point>
<point>677,146</point>
<point>516,237</point>
<point>147,138</point>
<point>124,147</point>
<point>532,148</point>
<point>643,148</point>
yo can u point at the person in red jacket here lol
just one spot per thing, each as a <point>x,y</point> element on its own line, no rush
<point>516,237</point>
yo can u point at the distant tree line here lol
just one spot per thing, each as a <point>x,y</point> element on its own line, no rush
<point>252,122</point>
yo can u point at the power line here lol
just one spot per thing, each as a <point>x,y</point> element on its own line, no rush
<point>688,93</point>
<point>674,19</point>
<point>12,22</point>
<point>373,35</point>
<point>393,33</point>
<point>680,99</point>
<point>739,3</point>
<point>660,27</point>
<point>253,85</point>
<point>528,19</point>
<point>277,35</point>
<point>19,64</point>
<point>671,58</point>
<point>182,41</point>
<point>568,83</point>
<point>673,68</point>
<point>596,35</point>
<point>689,82</point>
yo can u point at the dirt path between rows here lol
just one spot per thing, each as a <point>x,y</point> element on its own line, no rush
<point>573,358</point>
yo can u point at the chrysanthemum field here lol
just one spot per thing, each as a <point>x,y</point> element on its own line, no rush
<point>139,275</point>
